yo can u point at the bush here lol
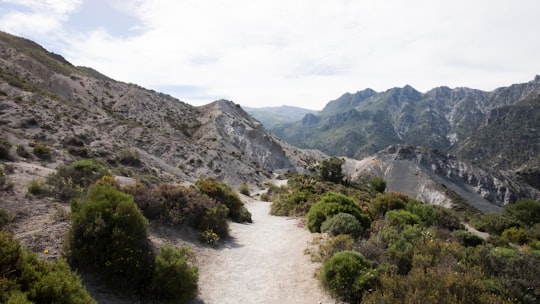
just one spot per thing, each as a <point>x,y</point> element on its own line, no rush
<point>385,202</point>
<point>331,204</point>
<point>327,248</point>
<point>5,146</point>
<point>108,235</point>
<point>71,181</point>
<point>342,223</point>
<point>37,188</point>
<point>215,219</point>
<point>496,223</point>
<point>244,189</point>
<point>224,194</point>
<point>175,279</point>
<point>331,171</point>
<point>129,157</point>
<point>467,238</point>
<point>402,217</point>
<point>525,211</point>
<point>27,279</point>
<point>42,152</point>
<point>294,204</point>
<point>5,217</point>
<point>347,275</point>
<point>378,184</point>
<point>515,235</point>
<point>444,218</point>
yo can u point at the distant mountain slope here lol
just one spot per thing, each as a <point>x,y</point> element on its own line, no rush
<point>438,179</point>
<point>272,116</point>
<point>78,112</point>
<point>450,120</point>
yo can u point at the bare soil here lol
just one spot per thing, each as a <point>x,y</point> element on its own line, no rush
<point>262,262</point>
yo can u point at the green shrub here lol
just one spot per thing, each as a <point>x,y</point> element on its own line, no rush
<point>445,218</point>
<point>215,219</point>
<point>385,202</point>
<point>5,217</point>
<point>327,248</point>
<point>108,235</point>
<point>5,146</point>
<point>516,271</point>
<point>331,171</point>
<point>38,188</point>
<point>175,279</point>
<point>294,204</point>
<point>27,279</point>
<point>402,218</point>
<point>347,275</point>
<point>525,211</point>
<point>129,157</point>
<point>73,180</point>
<point>496,223</point>
<point>515,235</point>
<point>467,238</point>
<point>224,194</point>
<point>244,189</point>
<point>425,212</point>
<point>342,223</point>
<point>42,151</point>
<point>378,184</point>
<point>331,204</point>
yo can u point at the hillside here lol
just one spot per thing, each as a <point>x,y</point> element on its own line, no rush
<point>461,121</point>
<point>77,113</point>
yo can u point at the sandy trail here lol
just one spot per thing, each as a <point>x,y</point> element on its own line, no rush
<point>263,262</point>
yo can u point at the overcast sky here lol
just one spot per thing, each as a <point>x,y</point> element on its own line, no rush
<point>294,52</point>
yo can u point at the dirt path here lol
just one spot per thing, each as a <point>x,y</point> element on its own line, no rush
<point>264,262</point>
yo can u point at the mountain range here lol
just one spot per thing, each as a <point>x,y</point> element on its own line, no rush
<point>76,112</point>
<point>497,129</point>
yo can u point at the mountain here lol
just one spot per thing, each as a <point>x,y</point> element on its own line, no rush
<point>432,177</point>
<point>76,112</point>
<point>272,116</point>
<point>461,121</point>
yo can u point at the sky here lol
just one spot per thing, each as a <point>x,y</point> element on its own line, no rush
<point>302,53</point>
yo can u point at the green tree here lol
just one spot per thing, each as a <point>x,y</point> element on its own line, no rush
<point>330,170</point>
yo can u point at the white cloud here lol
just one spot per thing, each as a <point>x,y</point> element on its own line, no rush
<point>35,17</point>
<point>304,52</point>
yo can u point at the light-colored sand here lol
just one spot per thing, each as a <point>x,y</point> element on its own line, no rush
<point>264,262</point>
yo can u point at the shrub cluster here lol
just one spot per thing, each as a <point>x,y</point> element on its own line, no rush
<point>178,205</point>
<point>225,195</point>
<point>331,204</point>
<point>108,236</point>
<point>73,180</point>
<point>415,252</point>
<point>347,275</point>
<point>27,279</point>
<point>342,223</point>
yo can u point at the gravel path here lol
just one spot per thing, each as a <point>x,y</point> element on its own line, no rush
<point>263,262</point>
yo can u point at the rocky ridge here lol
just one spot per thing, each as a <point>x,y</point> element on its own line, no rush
<point>435,178</point>
<point>77,112</point>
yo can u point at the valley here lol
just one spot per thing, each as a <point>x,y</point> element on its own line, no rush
<point>79,150</point>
